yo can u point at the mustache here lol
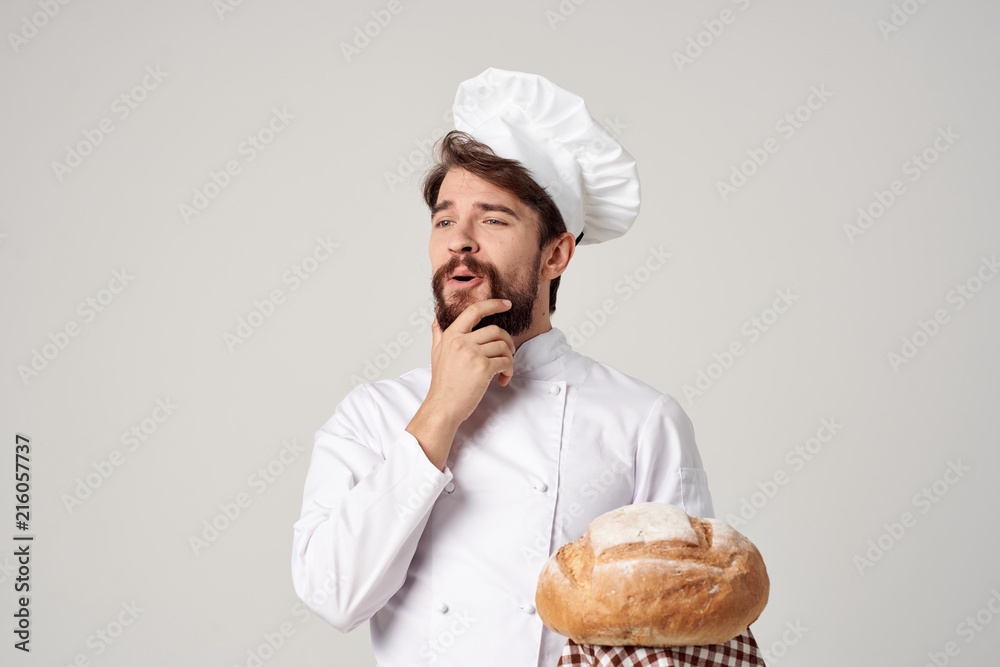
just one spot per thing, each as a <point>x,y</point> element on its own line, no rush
<point>478,267</point>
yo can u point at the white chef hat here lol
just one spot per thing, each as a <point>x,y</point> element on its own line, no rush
<point>525,117</point>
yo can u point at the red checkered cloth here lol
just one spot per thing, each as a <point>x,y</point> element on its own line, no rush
<point>739,652</point>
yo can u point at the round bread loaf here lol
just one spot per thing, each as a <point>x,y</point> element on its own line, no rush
<point>650,575</point>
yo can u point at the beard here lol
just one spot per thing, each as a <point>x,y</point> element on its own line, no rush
<point>522,295</point>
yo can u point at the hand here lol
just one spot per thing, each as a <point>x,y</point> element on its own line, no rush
<point>463,361</point>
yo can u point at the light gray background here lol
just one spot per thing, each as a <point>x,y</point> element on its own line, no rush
<point>324,175</point>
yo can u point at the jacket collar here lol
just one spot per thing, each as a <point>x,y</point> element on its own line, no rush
<point>539,351</point>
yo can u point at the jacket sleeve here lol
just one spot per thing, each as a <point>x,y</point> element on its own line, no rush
<point>364,507</point>
<point>668,466</point>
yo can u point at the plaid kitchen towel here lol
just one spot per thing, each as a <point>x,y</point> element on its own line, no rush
<point>739,652</point>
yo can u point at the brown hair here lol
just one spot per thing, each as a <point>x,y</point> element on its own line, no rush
<point>459,150</point>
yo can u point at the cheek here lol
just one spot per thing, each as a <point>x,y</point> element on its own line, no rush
<point>516,254</point>
<point>521,269</point>
<point>437,253</point>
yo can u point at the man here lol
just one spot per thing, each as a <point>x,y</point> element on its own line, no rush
<point>433,500</point>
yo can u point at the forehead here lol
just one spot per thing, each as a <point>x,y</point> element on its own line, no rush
<point>462,187</point>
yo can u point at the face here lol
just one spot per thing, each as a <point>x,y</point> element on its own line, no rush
<point>484,245</point>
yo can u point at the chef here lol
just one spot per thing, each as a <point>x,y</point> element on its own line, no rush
<point>432,500</point>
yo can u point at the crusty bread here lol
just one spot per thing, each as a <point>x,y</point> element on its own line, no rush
<point>650,575</point>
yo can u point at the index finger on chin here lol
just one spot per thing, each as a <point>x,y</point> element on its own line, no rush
<point>471,316</point>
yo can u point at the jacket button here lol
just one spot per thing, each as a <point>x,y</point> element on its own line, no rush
<point>554,390</point>
<point>527,608</point>
<point>441,608</point>
<point>449,487</point>
<point>541,487</point>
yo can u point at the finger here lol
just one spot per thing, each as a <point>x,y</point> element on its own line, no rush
<point>470,316</point>
<point>502,366</point>
<point>501,360</point>
<point>492,333</point>
<point>495,349</point>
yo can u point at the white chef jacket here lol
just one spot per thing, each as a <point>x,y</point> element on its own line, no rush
<point>445,564</point>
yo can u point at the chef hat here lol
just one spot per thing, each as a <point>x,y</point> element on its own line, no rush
<point>525,117</point>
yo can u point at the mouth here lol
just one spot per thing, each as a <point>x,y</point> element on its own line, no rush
<point>464,282</point>
<point>462,278</point>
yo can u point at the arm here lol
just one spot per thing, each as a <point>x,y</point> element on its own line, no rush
<point>362,515</point>
<point>668,465</point>
<point>366,503</point>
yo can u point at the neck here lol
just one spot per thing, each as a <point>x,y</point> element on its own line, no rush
<point>540,321</point>
<point>539,325</point>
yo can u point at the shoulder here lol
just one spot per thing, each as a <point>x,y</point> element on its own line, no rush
<point>607,376</point>
<point>606,384</point>
<point>412,385</point>
<point>382,396</point>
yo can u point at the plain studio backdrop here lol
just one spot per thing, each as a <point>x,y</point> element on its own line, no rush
<point>211,229</point>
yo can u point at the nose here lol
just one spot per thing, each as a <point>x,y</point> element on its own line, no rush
<point>462,238</point>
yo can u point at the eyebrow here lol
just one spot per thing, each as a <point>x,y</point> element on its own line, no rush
<point>482,206</point>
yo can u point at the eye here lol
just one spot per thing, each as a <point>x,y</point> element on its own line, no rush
<point>443,222</point>
<point>495,221</point>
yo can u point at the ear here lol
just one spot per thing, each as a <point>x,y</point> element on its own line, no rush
<point>555,258</point>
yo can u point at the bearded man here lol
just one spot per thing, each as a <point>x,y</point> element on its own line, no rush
<point>433,500</point>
